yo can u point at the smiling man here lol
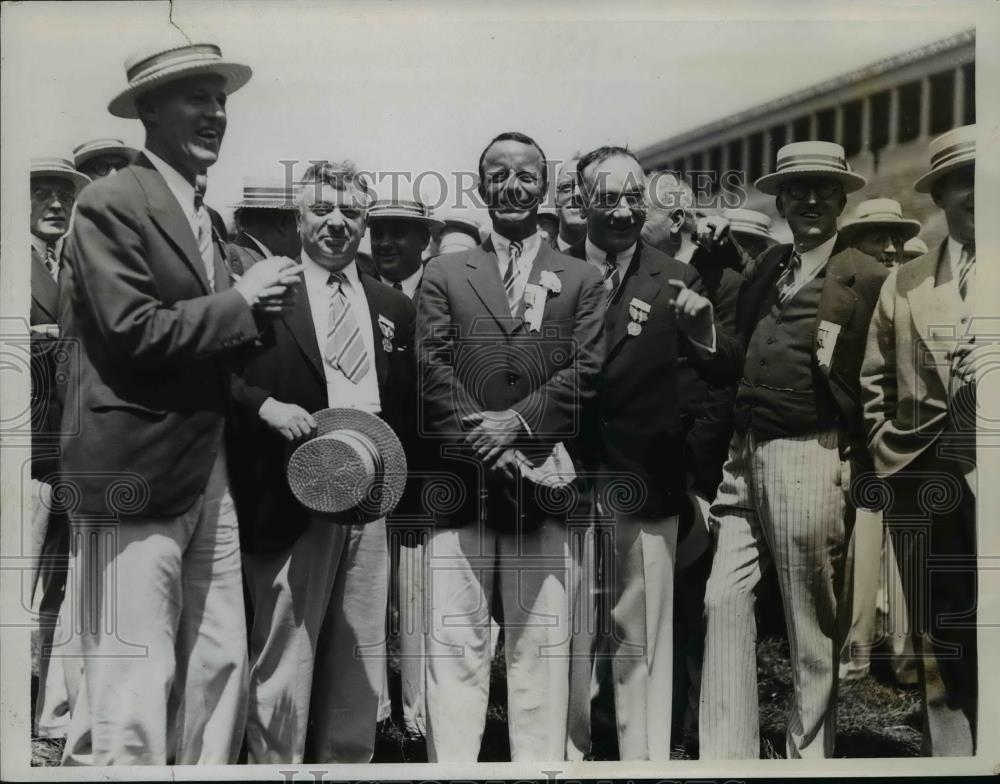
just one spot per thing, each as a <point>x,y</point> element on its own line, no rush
<point>569,206</point>
<point>158,325</point>
<point>803,320</point>
<point>510,344</point>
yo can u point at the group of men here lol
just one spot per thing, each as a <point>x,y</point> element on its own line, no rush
<point>576,405</point>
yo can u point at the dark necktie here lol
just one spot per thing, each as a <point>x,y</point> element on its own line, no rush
<point>786,280</point>
<point>966,265</point>
<point>397,285</point>
<point>612,276</point>
<point>51,262</point>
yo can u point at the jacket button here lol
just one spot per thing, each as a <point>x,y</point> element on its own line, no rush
<point>777,320</point>
<point>763,362</point>
<point>770,341</point>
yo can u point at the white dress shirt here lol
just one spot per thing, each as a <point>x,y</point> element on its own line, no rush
<point>813,262</point>
<point>183,191</point>
<point>409,284</point>
<point>529,249</point>
<point>599,258</point>
<point>562,244</point>
<point>340,391</point>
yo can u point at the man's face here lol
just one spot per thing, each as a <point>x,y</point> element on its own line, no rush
<point>512,185</point>
<point>811,206</point>
<point>955,193</point>
<point>616,205</point>
<point>331,223</point>
<point>549,226</point>
<point>397,246</point>
<point>186,122</point>
<point>51,204</point>
<point>881,243</point>
<point>569,204</point>
<point>103,165</point>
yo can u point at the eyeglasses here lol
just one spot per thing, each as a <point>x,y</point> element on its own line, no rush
<point>42,192</point>
<point>823,189</point>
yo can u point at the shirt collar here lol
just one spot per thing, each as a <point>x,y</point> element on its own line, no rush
<point>40,245</point>
<point>954,252</point>
<point>599,257</point>
<point>563,245</point>
<point>182,190</point>
<point>320,274</point>
<point>813,259</point>
<point>409,284</point>
<point>529,245</point>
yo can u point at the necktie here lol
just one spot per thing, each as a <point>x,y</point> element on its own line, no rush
<point>397,285</point>
<point>510,276</point>
<point>204,234</point>
<point>345,348</point>
<point>786,281</point>
<point>966,264</point>
<point>612,277</point>
<point>51,262</point>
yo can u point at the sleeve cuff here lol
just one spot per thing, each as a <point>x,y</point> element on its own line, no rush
<point>708,348</point>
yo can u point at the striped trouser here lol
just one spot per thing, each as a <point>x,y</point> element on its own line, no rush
<point>781,501</point>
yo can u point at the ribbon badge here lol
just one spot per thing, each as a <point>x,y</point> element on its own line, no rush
<point>388,332</point>
<point>638,313</point>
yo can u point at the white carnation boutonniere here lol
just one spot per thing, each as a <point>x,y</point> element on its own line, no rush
<point>535,295</point>
<point>550,282</point>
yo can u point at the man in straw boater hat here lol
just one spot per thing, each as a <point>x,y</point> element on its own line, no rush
<point>913,249</point>
<point>319,584</point>
<point>877,228</point>
<point>750,231</point>
<point>159,324</point>
<point>100,157</point>
<point>400,231</point>
<point>54,186</point>
<point>918,388</point>
<point>803,319</point>
<point>511,342</point>
<point>266,223</point>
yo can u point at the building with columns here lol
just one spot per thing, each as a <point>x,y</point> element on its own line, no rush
<point>883,114</point>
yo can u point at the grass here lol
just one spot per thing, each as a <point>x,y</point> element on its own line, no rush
<point>874,719</point>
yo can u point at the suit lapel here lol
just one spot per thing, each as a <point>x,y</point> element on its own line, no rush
<point>547,260</point>
<point>484,278</point>
<point>642,283</point>
<point>933,306</point>
<point>170,218</point>
<point>300,323</point>
<point>44,290</point>
<point>837,300</point>
<point>381,358</point>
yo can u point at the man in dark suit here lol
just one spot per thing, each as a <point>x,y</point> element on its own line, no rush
<point>266,224</point>
<point>158,324</point>
<point>637,438</point>
<point>319,587</point>
<point>510,344</point>
<point>54,187</point>
<point>803,319</point>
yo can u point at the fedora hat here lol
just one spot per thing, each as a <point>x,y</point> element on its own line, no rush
<point>157,65</point>
<point>880,213</point>
<point>407,209</point>
<point>949,151</point>
<point>268,194</point>
<point>914,248</point>
<point>353,467</point>
<point>59,168</point>
<point>97,147</point>
<point>810,159</point>
<point>749,222</point>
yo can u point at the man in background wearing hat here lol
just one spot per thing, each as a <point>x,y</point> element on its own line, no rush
<point>572,224</point>
<point>878,229</point>
<point>634,429</point>
<point>54,187</point>
<point>266,224</point>
<point>913,249</point>
<point>318,586</point>
<point>918,386</point>
<point>158,324</point>
<point>459,233</point>
<point>750,231</point>
<point>101,157</point>
<point>803,319</point>
<point>510,341</point>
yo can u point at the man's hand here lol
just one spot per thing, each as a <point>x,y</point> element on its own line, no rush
<point>268,286</point>
<point>288,419</point>
<point>508,465</point>
<point>711,232</point>
<point>492,433</point>
<point>695,316</point>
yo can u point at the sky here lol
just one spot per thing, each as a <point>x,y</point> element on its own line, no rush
<point>422,86</point>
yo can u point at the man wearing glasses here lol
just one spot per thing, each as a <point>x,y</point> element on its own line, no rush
<point>803,321</point>
<point>102,157</point>
<point>635,440</point>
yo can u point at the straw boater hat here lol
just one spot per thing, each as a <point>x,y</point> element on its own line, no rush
<point>749,222</point>
<point>810,159</point>
<point>98,147</point>
<point>59,168</point>
<point>267,194</point>
<point>914,248</point>
<point>468,225</point>
<point>949,151</point>
<point>163,63</point>
<point>880,213</point>
<point>408,209</point>
<point>353,467</point>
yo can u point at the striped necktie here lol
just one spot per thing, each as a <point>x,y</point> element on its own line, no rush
<point>345,348</point>
<point>510,276</point>
<point>51,262</point>
<point>612,276</point>
<point>966,264</point>
<point>204,233</point>
<point>786,281</point>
